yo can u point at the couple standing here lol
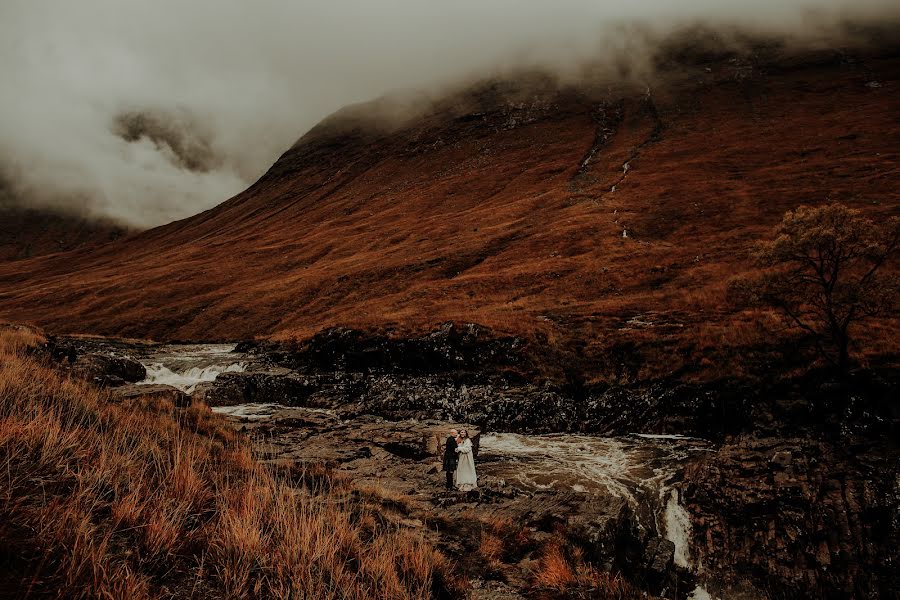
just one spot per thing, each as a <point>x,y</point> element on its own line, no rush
<point>459,462</point>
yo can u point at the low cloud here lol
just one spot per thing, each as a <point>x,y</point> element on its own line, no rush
<point>149,112</point>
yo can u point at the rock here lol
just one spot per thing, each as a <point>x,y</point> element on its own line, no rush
<point>167,392</point>
<point>659,559</point>
<point>803,517</point>
<point>604,535</point>
<point>106,370</point>
<point>275,386</point>
<point>205,393</point>
<point>452,347</point>
<point>781,458</point>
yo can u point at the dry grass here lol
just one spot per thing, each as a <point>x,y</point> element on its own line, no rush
<point>554,570</point>
<point>140,500</point>
<point>491,549</point>
<point>563,570</point>
<point>15,339</point>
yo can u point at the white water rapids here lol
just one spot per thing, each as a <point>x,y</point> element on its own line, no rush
<point>644,470</point>
<point>186,366</point>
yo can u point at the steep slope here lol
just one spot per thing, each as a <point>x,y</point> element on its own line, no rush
<point>599,217</point>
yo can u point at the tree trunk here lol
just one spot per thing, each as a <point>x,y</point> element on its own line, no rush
<point>843,353</point>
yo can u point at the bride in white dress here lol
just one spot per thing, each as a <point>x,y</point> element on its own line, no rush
<point>466,478</point>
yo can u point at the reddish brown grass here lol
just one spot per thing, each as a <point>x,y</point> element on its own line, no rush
<point>16,339</point>
<point>137,500</point>
<point>491,549</point>
<point>562,570</point>
<point>554,571</point>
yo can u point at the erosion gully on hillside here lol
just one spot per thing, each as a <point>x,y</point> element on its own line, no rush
<point>683,514</point>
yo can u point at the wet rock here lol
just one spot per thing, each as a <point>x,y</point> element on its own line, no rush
<point>280,386</point>
<point>800,517</point>
<point>452,347</point>
<point>615,540</point>
<point>659,560</point>
<point>165,392</point>
<point>107,370</point>
<point>465,373</point>
<point>604,535</point>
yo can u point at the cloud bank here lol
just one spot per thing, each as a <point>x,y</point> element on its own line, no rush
<point>147,112</point>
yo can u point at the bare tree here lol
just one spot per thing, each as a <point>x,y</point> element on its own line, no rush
<point>825,271</point>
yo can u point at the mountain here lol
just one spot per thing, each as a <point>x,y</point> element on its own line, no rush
<point>601,218</point>
<point>29,232</point>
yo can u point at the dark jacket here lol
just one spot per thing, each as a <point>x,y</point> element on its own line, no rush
<point>451,458</point>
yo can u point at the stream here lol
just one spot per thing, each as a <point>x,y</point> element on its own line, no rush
<point>644,470</point>
<point>641,469</point>
<point>184,366</point>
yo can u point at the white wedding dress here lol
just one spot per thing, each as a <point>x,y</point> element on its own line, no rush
<point>466,478</point>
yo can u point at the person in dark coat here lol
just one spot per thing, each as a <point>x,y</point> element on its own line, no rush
<point>451,458</point>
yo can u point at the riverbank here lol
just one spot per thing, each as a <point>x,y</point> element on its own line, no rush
<point>105,497</point>
<point>718,488</point>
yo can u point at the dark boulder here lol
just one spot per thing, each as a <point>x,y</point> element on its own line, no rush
<point>800,517</point>
<point>107,370</point>
<point>164,392</point>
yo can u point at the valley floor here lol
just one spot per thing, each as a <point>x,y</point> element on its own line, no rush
<point>758,513</point>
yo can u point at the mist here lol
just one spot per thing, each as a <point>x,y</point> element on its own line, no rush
<point>147,112</point>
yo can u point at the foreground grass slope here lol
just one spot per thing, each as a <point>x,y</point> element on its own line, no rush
<point>103,499</point>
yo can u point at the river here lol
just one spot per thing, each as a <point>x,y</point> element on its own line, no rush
<point>644,470</point>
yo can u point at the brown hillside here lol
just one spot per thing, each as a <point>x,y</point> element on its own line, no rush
<point>498,207</point>
<point>25,232</point>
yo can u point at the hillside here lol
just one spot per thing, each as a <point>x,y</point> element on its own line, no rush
<point>139,499</point>
<point>28,232</point>
<point>598,218</point>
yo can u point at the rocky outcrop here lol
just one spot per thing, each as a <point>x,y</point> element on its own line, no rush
<point>616,541</point>
<point>490,400</point>
<point>799,518</point>
<point>162,392</point>
<point>274,385</point>
<point>469,373</point>
<point>452,348</point>
<point>105,363</point>
<point>107,370</point>
<point>400,460</point>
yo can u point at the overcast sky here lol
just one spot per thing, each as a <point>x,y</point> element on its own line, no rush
<point>236,82</point>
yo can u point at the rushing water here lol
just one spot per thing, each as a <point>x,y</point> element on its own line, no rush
<point>186,366</point>
<point>644,470</point>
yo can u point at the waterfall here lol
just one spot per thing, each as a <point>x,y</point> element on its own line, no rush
<point>184,367</point>
<point>678,529</point>
<point>186,381</point>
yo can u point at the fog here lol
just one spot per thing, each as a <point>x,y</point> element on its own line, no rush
<point>146,112</point>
